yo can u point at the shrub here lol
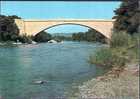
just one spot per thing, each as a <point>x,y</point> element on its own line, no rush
<point>127,16</point>
<point>25,39</point>
<point>8,28</point>
<point>107,57</point>
<point>124,48</point>
<point>42,37</point>
<point>90,36</point>
<point>133,50</point>
<point>120,39</point>
<point>101,56</point>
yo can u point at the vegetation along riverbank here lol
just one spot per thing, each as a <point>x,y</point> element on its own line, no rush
<point>9,32</point>
<point>122,79</point>
<point>121,59</point>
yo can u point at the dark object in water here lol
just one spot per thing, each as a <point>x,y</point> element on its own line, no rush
<point>39,82</point>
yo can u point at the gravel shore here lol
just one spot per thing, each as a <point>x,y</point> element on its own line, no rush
<point>114,85</point>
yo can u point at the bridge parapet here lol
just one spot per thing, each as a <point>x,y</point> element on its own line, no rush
<point>69,20</point>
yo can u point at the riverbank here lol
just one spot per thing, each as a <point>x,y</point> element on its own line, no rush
<point>116,84</point>
<point>122,79</point>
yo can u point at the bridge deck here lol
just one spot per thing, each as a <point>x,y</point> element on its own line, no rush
<point>87,20</point>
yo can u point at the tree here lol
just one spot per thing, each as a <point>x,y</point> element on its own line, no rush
<point>127,17</point>
<point>90,36</point>
<point>42,37</point>
<point>8,28</point>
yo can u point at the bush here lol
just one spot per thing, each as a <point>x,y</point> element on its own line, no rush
<point>133,49</point>
<point>101,57</point>
<point>107,57</point>
<point>120,39</point>
<point>25,39</point>
<point>127,16</point>
<point>90,36</point>
<point>124,48</point>
<point>8,29</point>
<point>42,37</point>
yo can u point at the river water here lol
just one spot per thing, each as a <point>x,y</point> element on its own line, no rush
<point>62,66</point>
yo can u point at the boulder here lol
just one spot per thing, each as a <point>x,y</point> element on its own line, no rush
<point>39,82</point>
<point>52,41</point>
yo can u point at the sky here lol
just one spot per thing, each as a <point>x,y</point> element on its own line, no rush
<point>60,10</point>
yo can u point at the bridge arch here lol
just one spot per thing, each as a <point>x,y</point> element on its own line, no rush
<point>32,27</point>
<point>72,24</point>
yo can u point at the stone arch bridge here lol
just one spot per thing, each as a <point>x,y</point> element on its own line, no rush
<point>32,27</point>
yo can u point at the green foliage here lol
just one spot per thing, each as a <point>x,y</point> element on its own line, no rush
<point>14,17</point>
<point>134,48</point>
<point>79,36</point>
<point>90,36</point>
<point>120,39</point>
<point>124,48</point>
<point>25,39</point>
<point>127,17</point>
<point>60,38</point>
<point>8,29</point>
<point>42,37</point>
<point>107,58</point>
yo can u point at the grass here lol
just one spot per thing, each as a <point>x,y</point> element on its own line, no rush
<point>108,58</point>
<point>123,49</point>
<point>120,39</point>
<point>120,82</point>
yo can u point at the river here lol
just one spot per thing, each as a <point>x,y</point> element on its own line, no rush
<point>62,66</point>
